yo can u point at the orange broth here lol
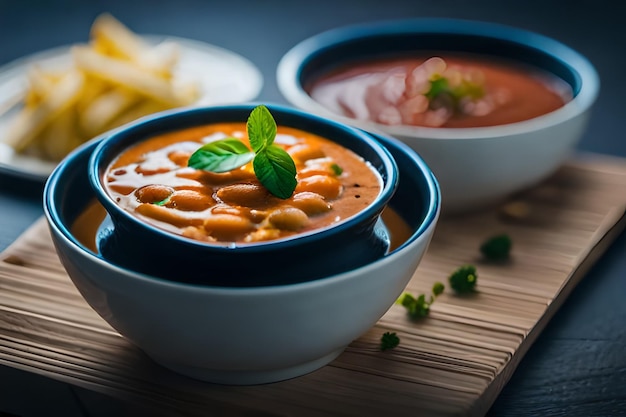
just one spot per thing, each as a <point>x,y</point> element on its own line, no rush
<point>152,181</point>
<point>85,227</point>
<point>363,90</point>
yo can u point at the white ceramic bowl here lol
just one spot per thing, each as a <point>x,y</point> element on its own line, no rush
<point>246,335</point>
<point>474,166</point>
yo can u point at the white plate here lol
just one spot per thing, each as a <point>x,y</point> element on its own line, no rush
<point>224,77</point>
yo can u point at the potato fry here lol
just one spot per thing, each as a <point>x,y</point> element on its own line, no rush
<point>127,75</point>
<point>102,110</point>
<point>40,83</point>
<point>135,111</point>
<point>60,136</point>
<point>110,37</point>
<point>32,120</point>
<point>114,79</point>
<point>92,89</point>
<point>160,59</point>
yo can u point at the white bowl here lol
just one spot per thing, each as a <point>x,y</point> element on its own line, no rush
<point>245,335</point>
<point>474,166</point>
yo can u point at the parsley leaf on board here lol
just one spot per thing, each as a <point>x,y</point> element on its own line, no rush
<point>389,340</point>
<point>463,279</point>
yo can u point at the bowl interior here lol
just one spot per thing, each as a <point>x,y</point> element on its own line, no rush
<point>68,193</point>
<point>139,245</point>
<point>359,142</point>
<point>322,53</point>
<point>403,39</point>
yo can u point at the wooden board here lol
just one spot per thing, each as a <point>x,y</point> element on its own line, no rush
<point>455,362</point>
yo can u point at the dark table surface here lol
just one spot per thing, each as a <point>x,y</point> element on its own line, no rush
<point>577,367</point>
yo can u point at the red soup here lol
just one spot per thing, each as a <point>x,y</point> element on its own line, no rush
<point>450,90</point>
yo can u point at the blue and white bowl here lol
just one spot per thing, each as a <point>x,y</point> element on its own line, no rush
<point>475,167</point>
<point>242,335</point>
<point>348,244</point>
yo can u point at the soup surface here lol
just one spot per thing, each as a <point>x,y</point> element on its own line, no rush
<point>455,90</point>
<point>86,226</point>
<point>152,181</point>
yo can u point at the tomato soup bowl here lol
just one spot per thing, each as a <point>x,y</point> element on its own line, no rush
<point>242,335</point>
<point>475,166</point>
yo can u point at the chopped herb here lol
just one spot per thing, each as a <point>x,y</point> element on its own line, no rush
<point>497,247</point>
<point>438,85</point>
<point>337,170</point>
<point>162,202</point>
<point>389,341</point>
<point>452,87</point>
<point>438,288</point>
<point>272,165</point>
<point>420,306</point>
<point>463,280</point>
<point>416,307</point>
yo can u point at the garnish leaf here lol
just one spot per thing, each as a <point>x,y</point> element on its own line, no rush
<point>337,170</point>
<point>497,248</point>
<point>439,85</point>
<point>438,288</point>
<point>389,340</point>
<point>261,128</point>
<point>419,306</point>
<point>221,156</point>
<point>162,202</point>
<point>276,171</point>
<point>463,279</point>
<point>272,165</point>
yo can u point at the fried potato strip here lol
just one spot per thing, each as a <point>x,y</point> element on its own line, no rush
<point>114,79</point>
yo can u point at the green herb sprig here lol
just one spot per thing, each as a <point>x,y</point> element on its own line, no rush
<point>497,248</point>
<point>443,90</point>
<point>463,279</point>
<point>441,85</point>
<point>420,306</point>
<point>272,165</point>
<point>389,340</point>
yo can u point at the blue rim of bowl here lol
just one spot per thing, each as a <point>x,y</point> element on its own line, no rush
<point>290,69</point>
<point>114,138</point>
<point>53,217</point>
<point>433,209</point>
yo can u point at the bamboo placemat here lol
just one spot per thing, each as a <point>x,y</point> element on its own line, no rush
<point>454,362</point>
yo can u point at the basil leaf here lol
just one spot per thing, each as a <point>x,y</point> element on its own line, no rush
<point>276,171</point>
<point>273,166</point>
<point>261,128</point>
<point>221,156</point>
